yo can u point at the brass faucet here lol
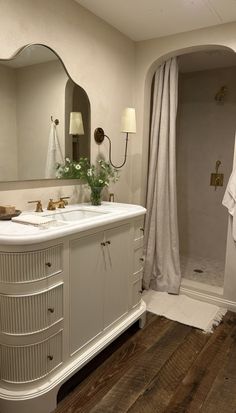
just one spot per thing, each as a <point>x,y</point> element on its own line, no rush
<point>61,203</point>
<point>39,207</point>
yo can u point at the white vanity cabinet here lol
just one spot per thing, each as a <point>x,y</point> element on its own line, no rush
<point>62,300</point>
<point>99,275</point>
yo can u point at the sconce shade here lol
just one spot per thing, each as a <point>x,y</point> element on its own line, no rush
<point>128,121</point>
<point>76,124</point>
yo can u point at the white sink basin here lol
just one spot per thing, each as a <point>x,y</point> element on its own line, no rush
<point>76,215</point>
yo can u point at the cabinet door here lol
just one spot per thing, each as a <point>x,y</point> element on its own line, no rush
<point>87,263</point>
<point>118,268</point>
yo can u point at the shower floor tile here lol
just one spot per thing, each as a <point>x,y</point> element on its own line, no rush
<point>209,271</point>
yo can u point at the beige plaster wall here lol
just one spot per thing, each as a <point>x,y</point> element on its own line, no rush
<point>8,140</point>
<point>205,134</point>
<point>99,58</point>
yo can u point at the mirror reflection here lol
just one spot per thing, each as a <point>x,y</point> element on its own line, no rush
<point>44,116</point>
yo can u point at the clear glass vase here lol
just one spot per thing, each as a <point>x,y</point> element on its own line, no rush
<point>96,196</point>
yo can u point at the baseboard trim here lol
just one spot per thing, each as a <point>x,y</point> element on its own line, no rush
<point>211,299</point>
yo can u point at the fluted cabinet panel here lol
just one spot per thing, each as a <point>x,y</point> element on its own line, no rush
<point>31,313</point>
<point>16,267</point>
<point>29,363</point>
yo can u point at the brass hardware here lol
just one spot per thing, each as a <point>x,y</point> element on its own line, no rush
<point>63,201</point>
<point>141,229</point>
<point>103,244</point>
<point>39,207</point>
<point>220,95</point>
<point>216,178</point>
<point>52,205</point>
<point>99,135</point>
<point>108,242</point>
<point>141,259</point>
<point>51,310</point>
<point>111,197</point>
<point>50,357</point>
<point>48,264</point>
<point>218,163</point>
<point>56,121</point>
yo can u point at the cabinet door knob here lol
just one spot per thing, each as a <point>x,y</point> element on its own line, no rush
<point>51,310</point>
<point>48,264</point>
<point>141,259</point>
<point>141,229</point>
<point>50,357</point>
<point>103,244</point>
<point>108,242</point>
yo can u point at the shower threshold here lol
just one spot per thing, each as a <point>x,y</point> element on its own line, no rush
<point>200,287</point>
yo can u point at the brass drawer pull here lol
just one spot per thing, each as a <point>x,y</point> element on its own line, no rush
<point>50,358</point>
<point>108,242</point>
<point>141,259</point>
<point>103,244</point>
<point>51,310</point>
<point>48,264</point>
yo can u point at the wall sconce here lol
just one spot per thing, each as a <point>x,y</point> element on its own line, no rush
<point>76,124</point>
<point>76,129</point>
<point>128,125</point>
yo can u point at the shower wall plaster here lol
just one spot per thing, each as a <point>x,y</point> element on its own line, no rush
<point>205,134</point>
<point>99,58</point>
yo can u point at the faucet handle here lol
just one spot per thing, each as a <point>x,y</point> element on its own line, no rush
<point>39,207</point>
<point>51,205</point>
<point>63,199</point>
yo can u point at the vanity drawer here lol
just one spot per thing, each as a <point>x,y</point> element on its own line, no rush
<point>31,313</point>
<point>138,260</point>
<point>19,267</point>
<point>25,364</point>
<point>137,291</point>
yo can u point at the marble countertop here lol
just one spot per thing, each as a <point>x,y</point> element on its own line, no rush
<point>12,233</point>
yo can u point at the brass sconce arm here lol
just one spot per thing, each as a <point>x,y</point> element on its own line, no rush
<point>128,125</point>
<point>99,136</point>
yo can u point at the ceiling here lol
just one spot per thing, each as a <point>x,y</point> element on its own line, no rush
<point>147,19</point>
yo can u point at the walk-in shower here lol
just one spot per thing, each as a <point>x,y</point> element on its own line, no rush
<point>205,139</point>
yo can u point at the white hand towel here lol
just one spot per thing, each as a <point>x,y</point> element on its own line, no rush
<point>229,200</point>
<point>54,154</point>
<point>32,219</point>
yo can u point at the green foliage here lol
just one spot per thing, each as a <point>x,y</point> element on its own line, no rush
<point>98,175</point>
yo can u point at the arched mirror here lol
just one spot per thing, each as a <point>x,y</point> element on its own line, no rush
<point>44,115</point>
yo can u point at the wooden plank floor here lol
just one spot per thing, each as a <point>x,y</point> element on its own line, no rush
<point>166,367</point>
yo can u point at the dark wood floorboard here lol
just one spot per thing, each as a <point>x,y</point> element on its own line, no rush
<point>165,367</point>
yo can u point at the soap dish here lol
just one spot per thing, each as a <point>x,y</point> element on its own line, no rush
<point>8,217</point>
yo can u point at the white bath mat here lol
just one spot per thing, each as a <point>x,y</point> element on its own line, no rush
<point>183,309</point>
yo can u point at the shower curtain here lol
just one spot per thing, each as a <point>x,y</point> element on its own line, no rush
<point>54,154</point>
<point>162,267</point>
